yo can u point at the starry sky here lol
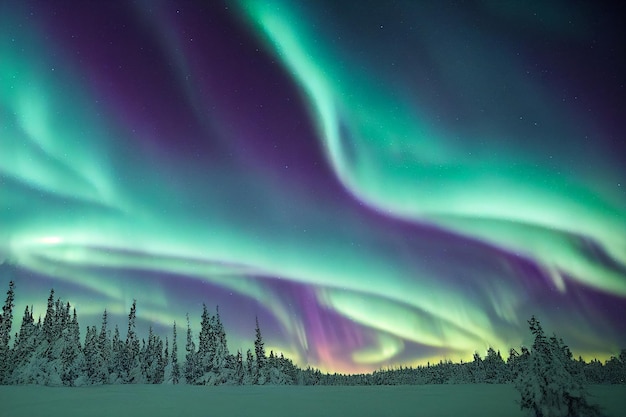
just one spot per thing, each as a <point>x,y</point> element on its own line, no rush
<point>380,182</point>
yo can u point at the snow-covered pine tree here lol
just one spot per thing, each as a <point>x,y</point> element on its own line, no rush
<point>131,370</point>
<point>146,358</point>
<point>152,359</point>
<point>161,360</point>
<point>165,360</point>
<point>31,343</point>
<point>142,362</point>
<point>79,360</point>
<point>273,374</point>
<point>212,342</point>
<point>90,352</point>
<point>260,376</point>
<point>45,367</point>
<point>101,370</point>
<point>239,369</point>
<point>72,358</point>
<point>495,368</point>
<point>24,345</point>
<point>478,369</point>
<point>280,371</point>
<point>206,342</point>
<point>547,387</point>
<point>104,345</point>
<point>116,366</point>
<point>175,365</point>
<point>460,373</point>
<point>221,357</point>
<point>531,383</point>
<point>289,370</point>
<point>205,355</point>
<point>192,369</point>
<point>49,319</point>
<point>6,321</point>
<point>64,318</point>
<point>513,364</point>
<point>615,369</point>
<point>250,369</point>
<point>621,379</point>
<point>594,372</point>
<point>573,390</point>
<point>60,318</point>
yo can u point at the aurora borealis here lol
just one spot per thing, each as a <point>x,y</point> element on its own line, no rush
<point>387,184</point>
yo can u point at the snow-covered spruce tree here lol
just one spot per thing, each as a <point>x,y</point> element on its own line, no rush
<point>116,364</point>
<point>621,372</point>
<point>206,345</point>
<point>463,374</point>
<point>545,383</point>
<point>279,370</point>
<point>49,319</point>
<point>222,361</point>
<point>63,319</point>
<point>6,321</point>
<point>478,369</point>
<point>70,371</point>
<point>175,365</point>
<point>206,349</point>
<point>28,342</point>
<point>514,365</point>
<point>152,359</point>
<point>260,375</point>
<point>239,369</point>
<point>146,359</point>
<point>89,350</point>
<point>45,366</point>
<point>574,393</point>
<point>165,362</point>
<point>249,372</point>
<point>192,368</point>
<point>96,369</point>
<point>271,369</point>
<point>24,345</point>
<point>131,369</point>
<point>212,357</point>
<point>289,369</point>
<point>615,369</point>
<point>104,346</point>
<point>594,372</point>
<point>458,374</point>
<point>35,368</point>
<point>72,358</point>
<point>496,371</point>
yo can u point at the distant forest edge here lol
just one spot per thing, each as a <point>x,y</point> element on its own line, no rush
<point>51,353</point>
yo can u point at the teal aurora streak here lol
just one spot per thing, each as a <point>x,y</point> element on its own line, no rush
<point>385,186</point>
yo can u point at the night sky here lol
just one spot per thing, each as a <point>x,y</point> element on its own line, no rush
<point>380,182</point>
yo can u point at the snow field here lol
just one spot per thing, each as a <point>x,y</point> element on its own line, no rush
<point>472,400</point>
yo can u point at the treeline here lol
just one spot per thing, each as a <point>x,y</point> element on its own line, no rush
<point>50,352</point>
<point>490,369</point>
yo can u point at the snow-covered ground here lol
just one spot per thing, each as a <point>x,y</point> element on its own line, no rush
<point>273,401</point>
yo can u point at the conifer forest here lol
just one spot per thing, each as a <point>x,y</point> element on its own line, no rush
<point>53,351</point>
